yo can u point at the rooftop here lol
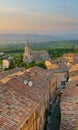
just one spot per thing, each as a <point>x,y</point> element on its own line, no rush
<point>44,73</point>
<point>11,72</point>
<point>40,82</point>
<point>74,68</point>
<point>59,70</point>
<point>50,65</point>
<point>15,108</point>
<point>7,78</point>
<point>68,55</point>
<point>35,92</point>
<point>73,78</point>
<point>17,99</point>
<point>69,107</point>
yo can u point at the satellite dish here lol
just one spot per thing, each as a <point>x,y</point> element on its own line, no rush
<point>30,83</point>
<point>70,79</point>
<point>25,82</point>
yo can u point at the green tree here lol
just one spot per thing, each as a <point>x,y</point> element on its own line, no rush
<point>12,64</point>
<point>41,64</point>
<point>0,62</point>
<point>21,58</point>
<point>31,64</point>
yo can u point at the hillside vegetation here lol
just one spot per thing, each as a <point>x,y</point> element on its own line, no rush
<point>43,45</point>
<point>55,49</point>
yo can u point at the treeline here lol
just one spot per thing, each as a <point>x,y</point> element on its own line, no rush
<point>12,50</point>
<point>55,53</point>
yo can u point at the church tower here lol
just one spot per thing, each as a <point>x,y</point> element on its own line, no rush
<point>26,56</point>
<point>27,48</point>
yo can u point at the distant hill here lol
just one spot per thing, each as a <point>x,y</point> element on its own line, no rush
<point>38,41</point>
<point>55,44</point>
<point>42,45</point>
<point>21,38</point>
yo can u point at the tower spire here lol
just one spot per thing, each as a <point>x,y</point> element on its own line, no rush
<point>27,42</point>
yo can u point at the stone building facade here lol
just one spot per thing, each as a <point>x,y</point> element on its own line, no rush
<point>33,55</point>
<point>6,63</point>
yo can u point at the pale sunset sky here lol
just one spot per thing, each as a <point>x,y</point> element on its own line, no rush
<point>39,16</point>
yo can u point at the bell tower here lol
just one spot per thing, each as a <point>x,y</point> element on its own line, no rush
<point>27,48</point>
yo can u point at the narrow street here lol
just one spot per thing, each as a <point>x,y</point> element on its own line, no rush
<point>55,118</point>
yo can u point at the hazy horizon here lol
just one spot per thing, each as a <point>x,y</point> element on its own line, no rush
<point>21,38</point>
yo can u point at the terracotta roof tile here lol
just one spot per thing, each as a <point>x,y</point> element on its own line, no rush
<point>40,82</point>
<point>14,108</point>
<point>68,55</point>
<point>74,68</point>
<point>73,78</point>
<point>50,65</point>
<point>69,107</point>
<point>18,100</point>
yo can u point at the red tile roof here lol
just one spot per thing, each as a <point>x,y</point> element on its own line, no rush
<point>40,82</point>
<point>68,55</point>
<point>15,108</point>
<point>10,72</point>
<point>18,101</point>
<point>73,78</point>
<point>69,107</point>
<point>73,68</point>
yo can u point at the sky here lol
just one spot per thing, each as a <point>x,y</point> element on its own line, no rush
<point>39,16</point>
